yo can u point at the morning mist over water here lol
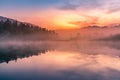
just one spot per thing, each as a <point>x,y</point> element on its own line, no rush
<point>59,40</point>
<point>51,60</point>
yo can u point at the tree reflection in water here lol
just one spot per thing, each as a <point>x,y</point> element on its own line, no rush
<point>12,52</point>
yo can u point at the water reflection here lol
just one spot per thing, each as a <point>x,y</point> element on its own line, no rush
<point>63,61</point>
<point>10,52</point>
<point>91,47</point>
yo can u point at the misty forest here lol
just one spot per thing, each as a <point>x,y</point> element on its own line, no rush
<point>14,30</point>
<point>11,29</point>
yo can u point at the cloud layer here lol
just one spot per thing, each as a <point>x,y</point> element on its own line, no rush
<point>74,4</point>
<point>58,13</point>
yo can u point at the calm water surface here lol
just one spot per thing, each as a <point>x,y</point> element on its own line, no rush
<point>60,61</point>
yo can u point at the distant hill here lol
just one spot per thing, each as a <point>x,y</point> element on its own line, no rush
<point>95,27</point>
<point>10,28</point>
<point>112,38</point>
<point>90,32</point>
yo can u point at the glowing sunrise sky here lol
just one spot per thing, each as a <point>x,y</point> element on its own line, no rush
<point>63,14</point>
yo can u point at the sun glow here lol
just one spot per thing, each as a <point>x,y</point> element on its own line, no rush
<point>57,19</point>
<point>64,21</point>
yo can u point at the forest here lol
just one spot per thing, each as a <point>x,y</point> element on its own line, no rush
<point>25,31</point>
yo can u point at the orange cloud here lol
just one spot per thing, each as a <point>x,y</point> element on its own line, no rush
<point>59,19</point>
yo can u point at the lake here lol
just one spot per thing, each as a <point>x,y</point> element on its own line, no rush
<point>60,60</point>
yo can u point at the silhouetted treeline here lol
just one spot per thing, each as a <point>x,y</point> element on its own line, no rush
<point>15,28</point>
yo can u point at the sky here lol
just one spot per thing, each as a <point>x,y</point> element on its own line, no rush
<point>63,14</point>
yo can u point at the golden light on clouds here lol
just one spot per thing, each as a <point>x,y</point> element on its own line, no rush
<point>57,19</point>
<point>64,20</point>
<point>64,14</point>
<point>79,19</point>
